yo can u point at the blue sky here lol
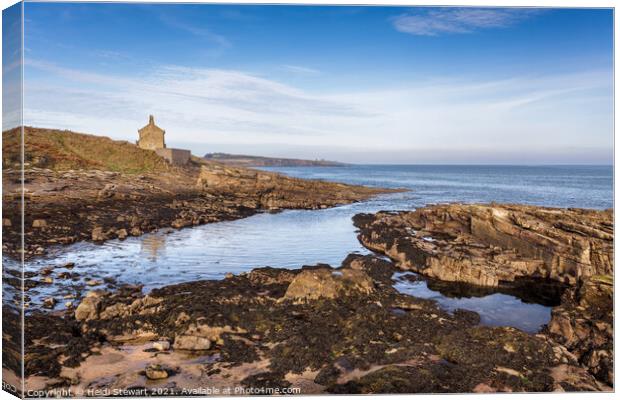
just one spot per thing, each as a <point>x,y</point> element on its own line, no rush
<point>357,84</point>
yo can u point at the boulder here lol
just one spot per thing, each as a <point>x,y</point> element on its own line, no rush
<point>313,284</point>
<point>88,308</point>
<point>116,310</point>
<point>192,343</point>
<point>98,235</point>
<point>143,306</point>
<point>199,337</point>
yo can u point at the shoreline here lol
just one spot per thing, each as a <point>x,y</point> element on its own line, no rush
<point>359,335</point>
<point>253,322</point>
<point>326,328</point>
<point>65,207</point>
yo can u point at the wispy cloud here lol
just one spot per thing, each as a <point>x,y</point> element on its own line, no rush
<point>301,70</point>
<point>199,31</point>
<point>215,108</point>
<point>440,21</point>
<point>228,104</point>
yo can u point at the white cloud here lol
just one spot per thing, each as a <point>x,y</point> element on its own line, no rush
<point>458,20</point>
<point>223,110</point>
<point>301,70</point>
<point>225,104</point>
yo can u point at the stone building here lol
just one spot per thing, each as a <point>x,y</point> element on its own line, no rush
<point>151,137</point>
<point>175,156</point>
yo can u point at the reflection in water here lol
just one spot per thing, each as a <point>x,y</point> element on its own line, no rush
<point>153,247</point>
<point>545,292</point>
<point>508,306</point>
<point>289,239</point>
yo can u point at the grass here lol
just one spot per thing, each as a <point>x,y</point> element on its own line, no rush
<point>63,150</point>
<point>607,279</point>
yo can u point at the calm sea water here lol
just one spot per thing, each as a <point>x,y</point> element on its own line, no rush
<point>553,186</point>
<point>294,238</point>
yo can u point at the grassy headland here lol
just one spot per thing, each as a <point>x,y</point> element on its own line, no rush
<point>62,150</point>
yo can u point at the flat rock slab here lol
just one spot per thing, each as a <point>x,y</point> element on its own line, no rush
<point>488,244</point>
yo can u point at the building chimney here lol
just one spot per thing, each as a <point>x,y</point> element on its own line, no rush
<point>151,120</point>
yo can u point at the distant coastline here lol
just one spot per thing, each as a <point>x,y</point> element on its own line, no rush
<point>258,161</point>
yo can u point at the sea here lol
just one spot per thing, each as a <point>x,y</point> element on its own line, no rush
<point>293,238</point>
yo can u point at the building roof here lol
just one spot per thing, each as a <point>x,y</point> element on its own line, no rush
<point>151,126</point>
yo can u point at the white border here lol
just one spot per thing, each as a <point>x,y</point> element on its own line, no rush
<point>497,3</point>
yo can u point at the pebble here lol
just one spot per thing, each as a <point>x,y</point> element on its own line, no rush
<point>122,234</point>
<point>93,282</point>
<point>156,371</point>
<point>162,345</point>
<point>50,302</point>
<point>97,293</point>
<point>509,348</point>
<point>39,223</point>
<point>48,279</point>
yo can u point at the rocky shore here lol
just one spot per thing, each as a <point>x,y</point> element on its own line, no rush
<point>500,245</point>
<point>488,244</point>
<point>315,329</point>
<point>63,207</point>
<point>319,329</point>
<point>583,323</point>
